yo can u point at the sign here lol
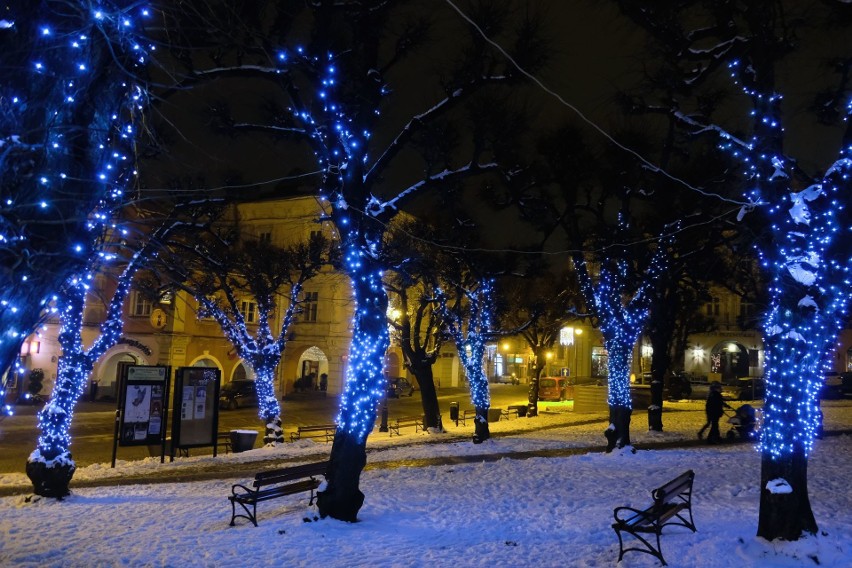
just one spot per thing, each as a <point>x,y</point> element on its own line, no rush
<point>196,407</point>
<point>142,404</point>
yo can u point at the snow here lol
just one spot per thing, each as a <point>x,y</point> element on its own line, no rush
<point>540,493</point>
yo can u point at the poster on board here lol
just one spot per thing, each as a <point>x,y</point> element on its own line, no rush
<point>195,407</point>
<point>142,399</point>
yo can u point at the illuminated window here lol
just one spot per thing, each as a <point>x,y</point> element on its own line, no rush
<point>310,301</point>
<point>600,360</point>
<point>141,306</point>
<point>249,311</point>
<point>713,307</point>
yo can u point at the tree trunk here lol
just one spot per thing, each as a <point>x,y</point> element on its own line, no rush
<point>785,515</point>
<point>532,397</point>
<point>342,498</point>
<point>269,409</point>
<point>619,397</point>
<point>364,390</point>
<point>480,425</point>
<point>428,395</point>
<point>618,433</point>
<point>51,480</point>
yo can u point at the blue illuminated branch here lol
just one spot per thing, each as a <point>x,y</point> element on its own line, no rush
<point>809,267</point>
<point>469,322</point>
<point>70,107</point>
<point>621,311</point>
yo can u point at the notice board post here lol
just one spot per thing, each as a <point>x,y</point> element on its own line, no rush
<point>196,409</point>
<point>143,404</point>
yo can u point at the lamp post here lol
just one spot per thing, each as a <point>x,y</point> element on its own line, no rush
<point>577,332</point>
<point>506,346</point>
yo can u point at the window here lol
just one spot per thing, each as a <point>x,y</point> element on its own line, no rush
<point>600,360</point>
<point>265,237</point>
<point>713,307</point>
<point>309,306</point>
<point>141,306</point>
<point>315,235</point>
<point>249,311</point>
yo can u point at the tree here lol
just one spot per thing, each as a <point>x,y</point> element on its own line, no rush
<point>50,467</point>
<point>466,310</point>
<point>328,98</point>
<point>617,293</point>
<point>539,308</point>
<point>220,268</point>
<point>803,253</point>
<point>70,105</point>
<point>413,286</point>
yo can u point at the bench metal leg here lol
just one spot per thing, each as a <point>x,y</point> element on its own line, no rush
<point>250,515</point>
<point>649,548</point>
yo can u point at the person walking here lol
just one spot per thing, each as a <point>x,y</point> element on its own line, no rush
<point>714,408</point>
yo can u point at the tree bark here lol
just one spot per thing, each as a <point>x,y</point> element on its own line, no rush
<point>342,498</point>
<point>618,435</point>
<point>360,400</point>
<point>785,515</point>
<point>428,395</point>
<point>480,424</point>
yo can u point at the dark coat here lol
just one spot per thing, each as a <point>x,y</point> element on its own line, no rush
<point>715,405</point>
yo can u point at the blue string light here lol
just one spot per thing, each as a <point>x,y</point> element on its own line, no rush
<point>808,263</point>
<point>621,312</point>
<point>69,55</point>
<point>82,148</point>
<point>469,323</point>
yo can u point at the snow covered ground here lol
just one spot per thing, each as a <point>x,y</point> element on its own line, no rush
<point>541,511</point>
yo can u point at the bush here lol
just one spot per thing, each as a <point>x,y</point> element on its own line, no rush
<point>36,379</point>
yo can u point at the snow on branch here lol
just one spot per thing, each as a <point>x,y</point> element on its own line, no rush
<point>376,207</point>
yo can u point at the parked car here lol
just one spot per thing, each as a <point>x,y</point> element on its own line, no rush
<point>238,394</point>
<point>846,380</point>
<point>399,386</point>
<point>747,388</point>
<point>552,388</point>
<point>832,385</point>
<point>507,380</point>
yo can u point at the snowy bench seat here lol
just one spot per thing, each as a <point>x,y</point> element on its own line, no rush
<point>273,484</point>
<point>670,501</point>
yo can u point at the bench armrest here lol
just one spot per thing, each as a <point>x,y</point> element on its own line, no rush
<point>241,486</point>
<point>633,514</point>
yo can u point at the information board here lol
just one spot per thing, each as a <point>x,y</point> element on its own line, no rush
<point>196,407</point>
<point>142,403</point>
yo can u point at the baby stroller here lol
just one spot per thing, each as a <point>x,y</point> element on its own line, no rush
<point>742,423</point>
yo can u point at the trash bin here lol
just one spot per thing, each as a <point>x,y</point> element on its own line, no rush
<point>494,414</point>
<point>454,412</point>
<point>242,440</point>
<point>93,390</point>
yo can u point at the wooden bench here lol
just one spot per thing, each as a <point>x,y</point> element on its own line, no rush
<point>670,501</point>
<point>275,483</point>
<point>324,431</point>
<point>416,421</point>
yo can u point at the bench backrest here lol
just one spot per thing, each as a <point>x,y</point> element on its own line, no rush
<point>321,427</point>
<point>681,485</point>
<point>290,473</point>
